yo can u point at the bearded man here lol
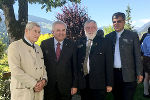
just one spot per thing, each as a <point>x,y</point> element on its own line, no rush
<point>94,61</point>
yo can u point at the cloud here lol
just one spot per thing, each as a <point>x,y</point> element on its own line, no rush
<point>144,20</point>
<point>140,22</point>
<point>133,22</point>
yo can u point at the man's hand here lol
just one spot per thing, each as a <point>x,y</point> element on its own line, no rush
<point>39,86</point>
<point>73,91</point>
<point>108,88</point>
<point>140,78</point>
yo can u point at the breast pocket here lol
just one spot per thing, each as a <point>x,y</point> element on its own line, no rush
<point>127,42</point>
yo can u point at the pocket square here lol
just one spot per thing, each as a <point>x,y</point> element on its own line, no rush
<point>125,40</point>
<point>79,46</point>
<point>100,53</point>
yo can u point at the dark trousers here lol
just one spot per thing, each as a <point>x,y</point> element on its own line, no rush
<point>122,90</point>
<point>56,93</point>
<point>92,94</point>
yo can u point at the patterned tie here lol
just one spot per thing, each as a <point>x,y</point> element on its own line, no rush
<point>58,50</point>
<point>88,47</point>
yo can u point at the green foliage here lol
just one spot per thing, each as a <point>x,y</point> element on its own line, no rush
<point>108,29</point>
<point>2,48</point>
<point>49,4</point>
<point>15,28</point>
<point>43,37</point>
<point>75,17</point>
<point>0,19</point>
<point>138,94</point>
<point>128,19</point>
<point>4,79</point>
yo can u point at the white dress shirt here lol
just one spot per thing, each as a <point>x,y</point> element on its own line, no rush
<point>88,64</point>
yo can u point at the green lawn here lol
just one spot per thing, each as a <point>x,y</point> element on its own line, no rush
<point>138,94</point>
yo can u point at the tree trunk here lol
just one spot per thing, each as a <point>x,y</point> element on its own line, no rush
<point>10,20</point>
<point>22,15</point>
<point>15,28</point>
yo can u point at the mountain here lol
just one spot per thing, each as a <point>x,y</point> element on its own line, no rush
<point>144,28</point>
<point>46,25</point>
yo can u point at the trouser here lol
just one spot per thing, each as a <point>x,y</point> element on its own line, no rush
<point>122,90</point>
<point>56,93</point>
<point>92,94</point>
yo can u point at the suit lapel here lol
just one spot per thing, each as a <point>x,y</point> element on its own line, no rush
<point>64,50</point>
<point>114,37</point>
<point>51,48</point>
<point>83,44</point>
<point>94,45</point>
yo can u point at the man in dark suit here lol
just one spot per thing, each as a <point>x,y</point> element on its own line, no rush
<point>127,62</point>
<point>94,63</point>
<point>60,61</point>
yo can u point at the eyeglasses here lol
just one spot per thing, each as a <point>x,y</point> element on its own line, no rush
<point>90,28</point>
<point>119,21</point>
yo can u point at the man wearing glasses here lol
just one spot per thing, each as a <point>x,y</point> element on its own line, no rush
<point>127,63</point>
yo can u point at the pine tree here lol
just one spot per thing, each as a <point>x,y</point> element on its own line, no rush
<point>128,24</point>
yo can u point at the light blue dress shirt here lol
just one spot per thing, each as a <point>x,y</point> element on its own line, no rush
<point>117,59</point>
<point>145,47</point>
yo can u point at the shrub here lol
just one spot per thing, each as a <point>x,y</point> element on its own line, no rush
<point>4,79</point>
<point>75,17</point>
<point>43,37</point>
<point>2,48</point>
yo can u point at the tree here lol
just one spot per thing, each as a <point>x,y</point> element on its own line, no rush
<point>108,29</point>
<point>75,17</point>
<point>15,28</point>
<point>128,19</point>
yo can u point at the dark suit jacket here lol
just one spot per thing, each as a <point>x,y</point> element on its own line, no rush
<point>100,61</point>
<point>130,54</point>
<point>64,71</point>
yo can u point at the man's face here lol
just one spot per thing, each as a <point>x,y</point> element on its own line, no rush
<point>59,32</point>
<point>33,34</point>
<point>90,30</point>
<point>118,24</point>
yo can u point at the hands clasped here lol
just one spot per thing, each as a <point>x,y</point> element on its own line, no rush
<point>39,85</point>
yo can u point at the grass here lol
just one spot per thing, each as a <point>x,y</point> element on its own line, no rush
<point>138,95</point>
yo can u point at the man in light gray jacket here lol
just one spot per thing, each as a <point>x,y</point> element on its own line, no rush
<point>28,74</point>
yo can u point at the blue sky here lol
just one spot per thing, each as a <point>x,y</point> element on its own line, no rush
<point>102,10</point>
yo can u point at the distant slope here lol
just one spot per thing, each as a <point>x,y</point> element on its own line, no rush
<point>46,25</point>
<point>144,28</point>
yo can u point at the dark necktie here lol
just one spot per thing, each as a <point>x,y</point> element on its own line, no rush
<point>58,50</point>
<point>88,47</point>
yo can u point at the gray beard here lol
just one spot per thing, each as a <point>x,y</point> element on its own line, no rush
<point>90,36</point>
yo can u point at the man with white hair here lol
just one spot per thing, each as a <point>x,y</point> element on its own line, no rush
<point>94,59</point>
<point>25,59</point>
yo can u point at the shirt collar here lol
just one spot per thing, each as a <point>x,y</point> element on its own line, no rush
<point>55,42</point>
<point>28,41</point>
<point>119,33</point>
